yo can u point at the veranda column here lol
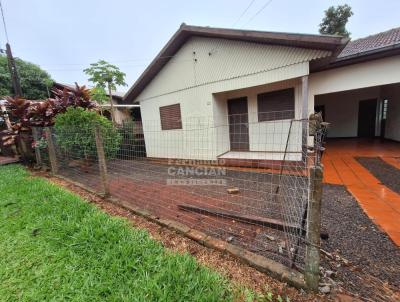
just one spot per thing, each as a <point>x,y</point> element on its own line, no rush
<point>304,116</point>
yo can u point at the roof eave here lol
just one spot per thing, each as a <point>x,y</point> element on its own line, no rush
<point>374,54</point>
<point>325,42</point>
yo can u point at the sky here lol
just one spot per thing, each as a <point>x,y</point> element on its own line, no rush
<point>64,37</point>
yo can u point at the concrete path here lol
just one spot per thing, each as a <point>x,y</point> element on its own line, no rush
<point>381,204</point>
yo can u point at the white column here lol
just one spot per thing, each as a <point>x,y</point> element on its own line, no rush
<point>304,91</point>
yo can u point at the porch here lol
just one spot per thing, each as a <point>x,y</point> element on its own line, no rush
<point>261,126</point>
<point>364,112</point>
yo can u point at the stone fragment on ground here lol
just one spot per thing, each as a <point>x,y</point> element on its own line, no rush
<point>326,289</point>
<point>233,190</point>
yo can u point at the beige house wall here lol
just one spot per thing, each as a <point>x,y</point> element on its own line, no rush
<point>205,72</point>
<point>392,94</point>
<point>198,76</point>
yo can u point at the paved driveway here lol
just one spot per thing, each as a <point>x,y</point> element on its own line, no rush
<point>380,203</point>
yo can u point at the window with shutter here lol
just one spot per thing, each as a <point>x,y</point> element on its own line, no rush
<point>170,117</point>
<point>276,105</point>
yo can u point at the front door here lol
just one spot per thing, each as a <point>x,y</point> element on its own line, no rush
<point>367,118</point>
<point>238,119</point>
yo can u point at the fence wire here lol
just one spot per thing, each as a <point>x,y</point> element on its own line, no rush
<point>247,183</point>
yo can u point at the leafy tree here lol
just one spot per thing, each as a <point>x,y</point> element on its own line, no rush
<point>35,82</point>
<point>75,133</point>
<point>105,75</point>
<point>99,95</point>
<point>335,20</point>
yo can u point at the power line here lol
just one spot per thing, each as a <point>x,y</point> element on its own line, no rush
<point>259,11</point>
<point>128,63</point>
<point>113,62</point>
<point>81,69</point>
<point>4,22</point>
<point>243,13</point>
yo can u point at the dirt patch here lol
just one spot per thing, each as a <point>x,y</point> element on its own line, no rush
<point>386,173</point>
<point>144,184</point>
<point>366,261</point>
<point>225,264</point>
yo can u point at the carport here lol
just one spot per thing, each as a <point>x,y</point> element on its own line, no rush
<point>359,91</point>
<point>359,94</point>
<point>362,113</point>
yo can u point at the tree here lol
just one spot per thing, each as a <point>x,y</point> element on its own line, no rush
<point>335,20</point>
<point>99,95</point>
<point>35,82</point>
<point>104,74</point>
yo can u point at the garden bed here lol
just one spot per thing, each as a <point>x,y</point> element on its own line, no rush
<point>143,184</point>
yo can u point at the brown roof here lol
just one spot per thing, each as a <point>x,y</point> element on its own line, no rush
<point>374,43</point>
<point>115,94</point>
<point>326,42</point>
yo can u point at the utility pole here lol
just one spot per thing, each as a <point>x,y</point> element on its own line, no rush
<point>11,63</point>
<point>13,71</point>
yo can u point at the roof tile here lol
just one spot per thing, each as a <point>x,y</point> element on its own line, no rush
<point>373,42</point>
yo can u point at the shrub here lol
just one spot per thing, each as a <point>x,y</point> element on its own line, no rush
<point>25,114</point>
<point>75,133</point>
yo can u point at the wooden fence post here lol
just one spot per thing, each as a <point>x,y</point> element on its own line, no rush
<point>52,151</point>
<point>102,161</point>
<point>312,257</point>
<point>38,155</point>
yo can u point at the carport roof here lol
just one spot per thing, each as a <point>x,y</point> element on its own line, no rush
<point>332,43</point>
<point>377,42</point>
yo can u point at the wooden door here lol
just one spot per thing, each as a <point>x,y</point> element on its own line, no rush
<point>238,124</point>
<point>367,118</point>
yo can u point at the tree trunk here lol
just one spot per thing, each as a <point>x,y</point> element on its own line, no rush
<point>112,105</point>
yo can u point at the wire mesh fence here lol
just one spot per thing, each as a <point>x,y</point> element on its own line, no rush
<point>242,182</point>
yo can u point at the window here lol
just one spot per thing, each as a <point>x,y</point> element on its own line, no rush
<point>170,117</point>
<point>384,109</point>
<point>276,105</point>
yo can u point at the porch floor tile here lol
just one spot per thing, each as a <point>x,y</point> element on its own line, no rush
<point>380,203</point>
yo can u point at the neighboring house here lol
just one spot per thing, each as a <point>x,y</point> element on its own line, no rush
<point>204,77</point>
<point>123,112</point>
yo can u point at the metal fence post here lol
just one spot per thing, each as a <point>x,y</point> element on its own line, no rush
<point>312,257</point>
<point>102,161</point>
<point>52,151</point>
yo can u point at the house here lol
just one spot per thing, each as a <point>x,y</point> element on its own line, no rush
<point>215,93</point>
<point>123,112</point>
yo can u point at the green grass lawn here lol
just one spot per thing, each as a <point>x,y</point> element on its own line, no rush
<point>56,247</point>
